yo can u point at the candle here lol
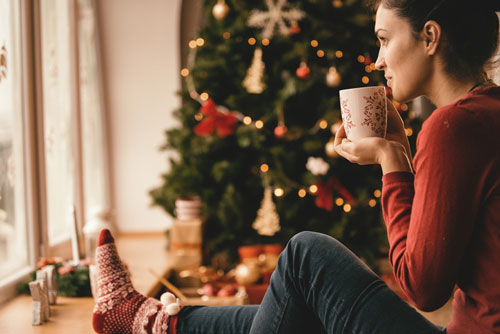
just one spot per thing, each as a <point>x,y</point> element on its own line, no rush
<point>74,238</point>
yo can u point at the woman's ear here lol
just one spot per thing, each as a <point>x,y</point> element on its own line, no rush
<point>431,34</point>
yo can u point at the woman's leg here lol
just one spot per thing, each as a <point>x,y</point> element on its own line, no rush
<point>318,286</point>
<point>216,319</point>
<point>318,280</point>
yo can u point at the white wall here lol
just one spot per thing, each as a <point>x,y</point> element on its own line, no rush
<point>140,49</point>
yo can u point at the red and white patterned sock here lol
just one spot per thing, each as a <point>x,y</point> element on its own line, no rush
<point>120,308</point>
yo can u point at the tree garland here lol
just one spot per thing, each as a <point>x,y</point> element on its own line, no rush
<point>72,280</point>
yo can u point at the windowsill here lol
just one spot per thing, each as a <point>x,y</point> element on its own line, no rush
<point>141,252</point>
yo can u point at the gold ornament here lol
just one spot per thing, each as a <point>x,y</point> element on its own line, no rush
<point>330,148</point>
<point>337,3</point>
<point>335,127</point>
<point>268,221</point>
<point>247,273</point>
<point>253,81</point>
<point>220,10</point>
<point>333,78</point>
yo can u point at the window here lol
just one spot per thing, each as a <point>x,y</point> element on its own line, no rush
<point>13,224</point>
<point>53,145</point>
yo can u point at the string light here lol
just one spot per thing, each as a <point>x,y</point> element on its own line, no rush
<point>302,193</point>
<point>337,3</point>
<point>339,201</point>
<point>264,168</point>
<point>372,203</point>
<point>226,35</point>
<point>368,69</point>
<point>313,189</point>
<point>265,42</point>
<point>361,59</point>
<point>252,41</point>
<point>198,116</point>
<point>409,132</point>
<point>377,193</point>
<point>247,120</point>
<point>184,72</point>
<point>314,43</point>
<point>339,54</point>
<point>259,124</point>
<point>365,80</point>
<point>373,67</point>
<point>192,44</point>
<point>320,53</point>
<point>204,96</point>
<point>323,124</point>
<point>404,107</point>
<point>200,41</point>
<point>347,207</point>
<point>278,192</point>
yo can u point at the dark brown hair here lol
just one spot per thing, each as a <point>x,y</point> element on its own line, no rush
<point>470,31</point>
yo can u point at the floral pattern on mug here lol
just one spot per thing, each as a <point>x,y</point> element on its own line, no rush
<point>375,110</point>
<point>346,116</point>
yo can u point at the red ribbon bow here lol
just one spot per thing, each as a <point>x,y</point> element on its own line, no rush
<point>324,195</point>
<point>215,121</point>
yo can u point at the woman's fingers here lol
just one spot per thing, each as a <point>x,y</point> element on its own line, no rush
<point>346,149</point>
<point>339,135</point>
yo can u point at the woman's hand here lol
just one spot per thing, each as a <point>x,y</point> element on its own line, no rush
<point>396,128</point>
<point>391,153</point>
<point>364,151</point>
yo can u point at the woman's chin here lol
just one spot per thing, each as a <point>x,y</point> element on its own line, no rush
<point>401,97</point>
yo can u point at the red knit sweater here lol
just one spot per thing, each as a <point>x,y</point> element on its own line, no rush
<point>443,224</point>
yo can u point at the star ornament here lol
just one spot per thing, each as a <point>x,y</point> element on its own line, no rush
<point>277,16</point>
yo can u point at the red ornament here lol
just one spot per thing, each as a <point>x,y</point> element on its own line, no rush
<point>303,72</point>
<point>367,61</point>
<point>217,121</point>
<point>280,131</point>
<point>209,290</point>
<point>294,29</point>
<point>226,291</point>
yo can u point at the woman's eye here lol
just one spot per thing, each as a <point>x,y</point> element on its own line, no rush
<point>382,40</point>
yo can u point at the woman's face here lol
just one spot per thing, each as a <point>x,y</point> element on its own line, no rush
<point>401,56</point>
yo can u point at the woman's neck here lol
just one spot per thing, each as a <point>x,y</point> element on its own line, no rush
<point>444,90</point>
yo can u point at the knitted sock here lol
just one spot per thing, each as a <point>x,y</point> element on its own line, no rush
<point>120,308</point>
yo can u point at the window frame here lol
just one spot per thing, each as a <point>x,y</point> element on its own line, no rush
<point>8,285</point>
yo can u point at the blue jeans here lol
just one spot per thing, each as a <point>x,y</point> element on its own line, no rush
<point>319,286</point>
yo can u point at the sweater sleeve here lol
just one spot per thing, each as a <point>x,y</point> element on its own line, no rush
<point>430,216</point>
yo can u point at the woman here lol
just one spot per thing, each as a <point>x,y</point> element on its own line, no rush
<point>443,222</point>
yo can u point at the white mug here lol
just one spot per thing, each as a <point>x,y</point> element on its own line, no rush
<point>364,112</point>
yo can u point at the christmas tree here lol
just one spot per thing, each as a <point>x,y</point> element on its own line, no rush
<point>259,116</point>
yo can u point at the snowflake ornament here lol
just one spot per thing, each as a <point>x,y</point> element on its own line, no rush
<point>317,166</point>
<point>277,15</point>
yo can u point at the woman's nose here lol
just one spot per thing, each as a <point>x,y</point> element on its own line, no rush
<point>380,63</point>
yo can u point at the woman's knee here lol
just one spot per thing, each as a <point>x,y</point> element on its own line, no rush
<point>312,242</point>
<point>308,239</point>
